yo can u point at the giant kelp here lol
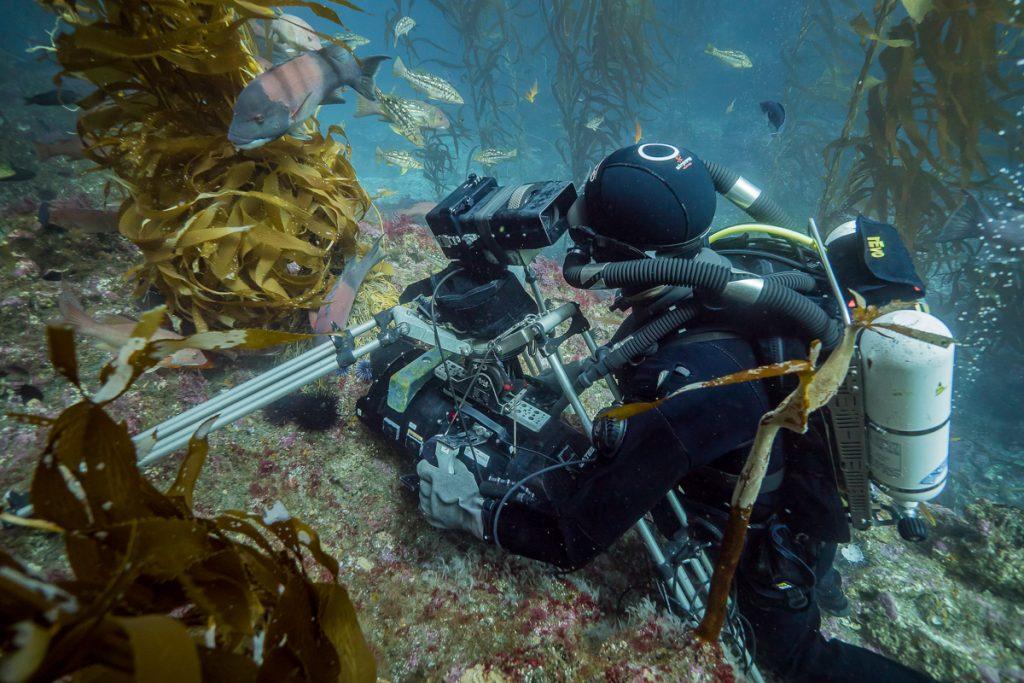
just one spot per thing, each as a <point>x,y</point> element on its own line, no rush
<point>490,46</point>
<point>228,237</point>
<point>932,114</point>
<point>606,65</point>
<point>158,593</point>
<point>946,87</point>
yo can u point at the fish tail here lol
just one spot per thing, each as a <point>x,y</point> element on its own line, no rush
<point>365,107</point>
<point>398,69</point>
<point>72,313</point>
<point>364,85</point>
<point>356,272</point>
<point>709,48</point>
<point>378,154</point>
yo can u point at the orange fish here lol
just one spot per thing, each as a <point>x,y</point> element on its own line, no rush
<point>531,94</point>
<point>638,133</point>
<point>115,331</point>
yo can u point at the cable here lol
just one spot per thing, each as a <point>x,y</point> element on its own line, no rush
<point>447,372</point>
<point>792,263</point>
<point>516,486</point>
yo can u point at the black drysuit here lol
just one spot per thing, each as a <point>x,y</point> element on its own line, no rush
<point>676,443</point>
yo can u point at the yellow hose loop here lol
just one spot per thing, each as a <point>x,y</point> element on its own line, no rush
<point>785,233</point>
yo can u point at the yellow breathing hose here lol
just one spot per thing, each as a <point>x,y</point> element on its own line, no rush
<point>785,233</point>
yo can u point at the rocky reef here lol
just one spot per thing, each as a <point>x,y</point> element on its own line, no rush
<point>951,606</point>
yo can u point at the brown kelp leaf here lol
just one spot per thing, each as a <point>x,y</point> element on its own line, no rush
<point>340,624</point>
<point>921,335</point>
<point>167,85</point>
<point>212,341</point>
<point>628,410</point>
<point>31,642</point>
<point>917,9</point>
<point>162,650</point>
<point>139,556</point>
<point>188,472</point>
<point>863,28</point>
<point>131,361</point>
<point>61,342</point>
<point>30,523</point>
<point>624,412</point>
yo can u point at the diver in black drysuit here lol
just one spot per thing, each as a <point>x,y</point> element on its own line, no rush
<point>699,440</point>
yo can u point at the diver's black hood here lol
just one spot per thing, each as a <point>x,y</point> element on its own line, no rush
<point>653,196</point>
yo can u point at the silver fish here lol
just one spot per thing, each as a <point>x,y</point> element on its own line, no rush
<point>595,122</point>
<point>404,25</point>
<point>434,87</point>
<point>734,58</point>
<point>353,40</point>
<point>491,156</point>
<point>400,158</point>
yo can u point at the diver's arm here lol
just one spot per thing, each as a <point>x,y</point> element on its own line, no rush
<point>658,448</point>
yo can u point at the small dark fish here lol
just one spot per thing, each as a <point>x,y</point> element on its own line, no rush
<point>338,304</point>
<point>965,222</point>
<point>64,96</point>
<point>90,221</point>
<point>50,146</point>
<point>776,114</point>
<point>280,100</point>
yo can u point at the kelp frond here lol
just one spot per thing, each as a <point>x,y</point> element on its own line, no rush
<point>229,238</point>
<point>159,593</point>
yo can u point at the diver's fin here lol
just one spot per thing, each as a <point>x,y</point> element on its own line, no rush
<point>365,107</point>
<point>368,69</point>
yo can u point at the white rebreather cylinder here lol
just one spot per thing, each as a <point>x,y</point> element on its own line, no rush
<point>908,391</point>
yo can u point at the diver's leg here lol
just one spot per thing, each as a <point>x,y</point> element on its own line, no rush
<point>828,590</point>
<point>789,643</point>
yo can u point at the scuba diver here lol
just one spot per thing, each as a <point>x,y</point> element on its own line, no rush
<point>648,202</point>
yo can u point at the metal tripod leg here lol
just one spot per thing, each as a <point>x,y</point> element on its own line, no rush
<point>688,581</point>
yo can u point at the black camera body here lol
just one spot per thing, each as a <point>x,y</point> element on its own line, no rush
<point>480,222</point>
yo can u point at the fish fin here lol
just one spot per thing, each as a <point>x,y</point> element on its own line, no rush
<point>334,98</point>
<point>405,169</point>
<point>963,223</point>
<point>368,67</point>
<point>365,107</point>
<point>71,311</point>
<point>398,69</point>
<point>116,320</point>
<point>355,271</point>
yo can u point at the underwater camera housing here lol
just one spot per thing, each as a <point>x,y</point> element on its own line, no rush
<point>480,223</point>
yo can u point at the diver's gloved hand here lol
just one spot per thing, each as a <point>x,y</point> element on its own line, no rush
<point>449,495</point>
